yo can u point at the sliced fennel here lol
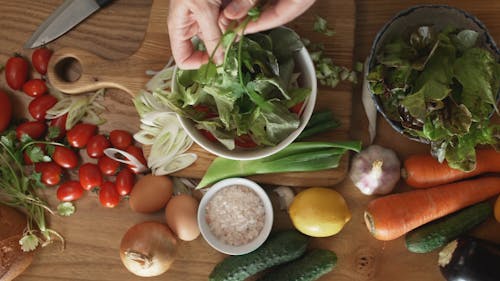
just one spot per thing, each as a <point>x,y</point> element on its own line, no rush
<point>83,108</point>
<point>160,127</point>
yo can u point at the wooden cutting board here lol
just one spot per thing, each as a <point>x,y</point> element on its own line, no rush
<point>95,71</point>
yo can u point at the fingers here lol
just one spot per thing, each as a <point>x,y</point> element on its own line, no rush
<point>185,21</point>
<point>237,9</point>
<point>279,14</point>
<point>209,31</point>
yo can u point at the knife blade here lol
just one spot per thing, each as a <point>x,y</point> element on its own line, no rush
<point>64,18</point>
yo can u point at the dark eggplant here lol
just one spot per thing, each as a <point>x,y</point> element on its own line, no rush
<point>470,259</point>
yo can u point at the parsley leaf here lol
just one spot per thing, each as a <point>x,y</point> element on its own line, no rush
<point>66,209</point>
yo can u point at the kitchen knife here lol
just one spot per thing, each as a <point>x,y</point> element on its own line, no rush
<point>64,18</point>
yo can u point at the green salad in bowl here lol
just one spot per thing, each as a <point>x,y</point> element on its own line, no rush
<point>254,103</point>
<point>439,83</point>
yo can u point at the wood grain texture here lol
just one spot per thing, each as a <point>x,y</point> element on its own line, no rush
<point>129,75</point>
<point>93,234</point>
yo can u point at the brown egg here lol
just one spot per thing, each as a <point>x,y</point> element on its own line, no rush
<point>181,214</point>
<point>150,194</point>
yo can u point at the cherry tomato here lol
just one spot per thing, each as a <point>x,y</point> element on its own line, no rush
<point>40,59</point>
<point>296,108</point>
<point>5,111</point>
<point>209,136</point>
<point>35,88</point>
<point>27,159</point>
<point>207,112</point>
<point>124,182</point>
<point>39,106</point>
<point>90,176</point>
<point>51,172</point>
<point>65,157</point>
<point>96,146</point>
<point>108,196</point>
<point>120,139</point>
<point>245,141</point>
<point>137,153</point>
<point>16,72</point>
<point>60,123</point>
<point>80,134</point>
<point>108,166</point>
<point>69,191</point>
<point>34,129</point>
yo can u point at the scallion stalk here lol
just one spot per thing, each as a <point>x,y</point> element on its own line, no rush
<point>297,157</point>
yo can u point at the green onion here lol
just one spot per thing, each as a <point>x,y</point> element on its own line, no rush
<point>297,157</point>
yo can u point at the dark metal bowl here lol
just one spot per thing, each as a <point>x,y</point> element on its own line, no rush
<point>432,15</point>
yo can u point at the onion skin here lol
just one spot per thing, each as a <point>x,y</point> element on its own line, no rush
<point>148,249</point>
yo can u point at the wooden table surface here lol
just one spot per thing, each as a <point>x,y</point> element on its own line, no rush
<point>93,237</point>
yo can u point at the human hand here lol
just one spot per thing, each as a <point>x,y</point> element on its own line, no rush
<point>278,13</point>
<point>188,18</point>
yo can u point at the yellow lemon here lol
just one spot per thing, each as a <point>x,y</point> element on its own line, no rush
<point>497,209</point>
<point>319,212</point>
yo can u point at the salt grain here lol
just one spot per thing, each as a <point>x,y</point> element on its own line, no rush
<point>235,215</point>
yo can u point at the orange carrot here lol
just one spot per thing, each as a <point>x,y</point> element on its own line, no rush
<point>422,171</point>
<point>394,215</point>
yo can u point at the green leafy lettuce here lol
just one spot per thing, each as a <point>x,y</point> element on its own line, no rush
<point>249,94</point>
<point>442,87</point>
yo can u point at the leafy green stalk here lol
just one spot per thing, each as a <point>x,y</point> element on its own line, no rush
<point>17,189</point>
<point>297,157</point>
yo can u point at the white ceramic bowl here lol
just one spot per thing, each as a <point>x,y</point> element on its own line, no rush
<point>307,80</point>
<point>219,245</point>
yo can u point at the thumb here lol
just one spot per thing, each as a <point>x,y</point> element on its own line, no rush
<point>237,9</point>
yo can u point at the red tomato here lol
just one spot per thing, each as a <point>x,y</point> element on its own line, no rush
<point>209,136</point>
<point>90,176</point>
<point>124,182</point>
<point>65,157</point>
<point>34,129</point>
<point>108,166</point>
<point>5,111</point>
<point>108,196</point>
<point>80,134</point>
<point>35,88</point>
<point>27,159</point>
<point>40,59</point>
<point>69,191</point>
<point>137,153</point>
<point>296,108</point>
<point>245,141</point>
<point>16,72</point>
<point>96,146</point>
<point>51,172</point>
<point>60,123</point>
<point>208,113</point>
<point>39,106</point>
<point>120,139</point>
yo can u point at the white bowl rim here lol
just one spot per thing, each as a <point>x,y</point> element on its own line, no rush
<point>221,246</point>
<point>252,154</point>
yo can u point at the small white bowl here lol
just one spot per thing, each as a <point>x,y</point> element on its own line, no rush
<point>219,245</point>
<point>307,79</point>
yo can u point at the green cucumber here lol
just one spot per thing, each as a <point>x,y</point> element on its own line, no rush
<point>281,247</point>
<point>310,267</point>
<point>438,233</point>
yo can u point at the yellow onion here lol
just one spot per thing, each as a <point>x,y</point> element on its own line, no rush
<point>148,249</point>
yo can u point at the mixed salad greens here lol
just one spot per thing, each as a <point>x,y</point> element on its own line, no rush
<point>252,98</point>
<point>442,87</point>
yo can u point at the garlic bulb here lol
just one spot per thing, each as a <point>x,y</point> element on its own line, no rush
<point>375,170</point>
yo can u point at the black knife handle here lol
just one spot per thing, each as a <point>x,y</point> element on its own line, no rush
<point>103,3</point>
